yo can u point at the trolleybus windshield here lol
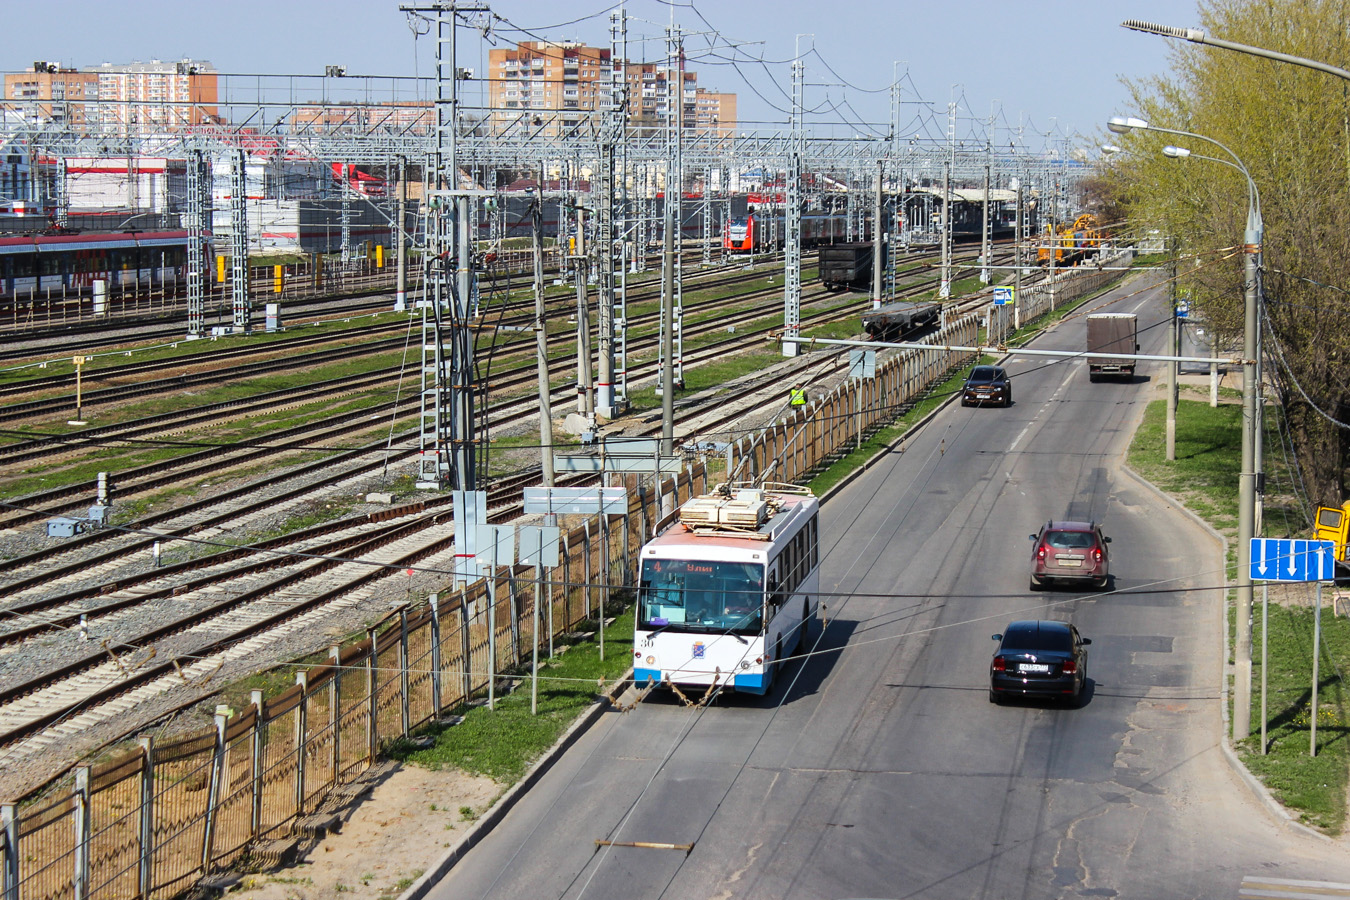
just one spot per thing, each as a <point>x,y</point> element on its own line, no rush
<point>701,596</point>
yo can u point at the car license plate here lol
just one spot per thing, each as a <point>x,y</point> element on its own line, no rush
<point>1074,561</point>
<point>1034,668</point>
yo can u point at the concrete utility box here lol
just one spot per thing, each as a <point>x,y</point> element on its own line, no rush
<point>63,526</point>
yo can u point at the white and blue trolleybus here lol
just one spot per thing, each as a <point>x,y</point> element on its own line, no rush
<point>728,593</point>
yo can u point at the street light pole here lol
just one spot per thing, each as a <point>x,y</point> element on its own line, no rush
<point>1196,36</point>
<point>1242,651</point>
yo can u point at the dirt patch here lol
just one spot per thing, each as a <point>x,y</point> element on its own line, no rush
<point>400,829</point>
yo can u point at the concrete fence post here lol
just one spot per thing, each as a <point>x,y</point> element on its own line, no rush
<point>465,648</point>
<point>257,748</point>
<point>372,697</point>
<point>433,602</point>
<point>335,712</point>
<point>145,868</point>
<point>80,858</point>
<point>301,739</point>
<point>213,794</point>
<point>404,677</point>
<point>9,824</point>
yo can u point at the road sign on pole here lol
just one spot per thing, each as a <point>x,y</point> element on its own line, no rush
<point>1003,296</point>
<point>610,501</point>
<point>1280,559</point>
<point>862,364</point>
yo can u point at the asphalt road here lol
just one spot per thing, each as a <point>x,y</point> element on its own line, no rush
<point>883,770</point>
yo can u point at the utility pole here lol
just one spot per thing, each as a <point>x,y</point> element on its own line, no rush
<point>792,241</point>
<point>948,160</point>
<point>585,384</point>
<point>541,338</point>
<point>1017,259</point>
<point>199,219</point>
<point>239,293</point>
<point>401,239</point>
<point>678,158</point>
<point>1172,350</point>
<point>604,398</point>
<point>985,249</point>
<point>879,261</point>
<point>667,341</point>
<point>448,414</point>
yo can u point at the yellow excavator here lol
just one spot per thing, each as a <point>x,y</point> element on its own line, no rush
<point>1333,524</point>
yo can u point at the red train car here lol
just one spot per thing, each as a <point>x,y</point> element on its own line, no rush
<point>37,263</point>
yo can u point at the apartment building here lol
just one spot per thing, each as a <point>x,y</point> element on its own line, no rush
<point>142,98</point>
<point>51,94</point>
<point>559,78</point>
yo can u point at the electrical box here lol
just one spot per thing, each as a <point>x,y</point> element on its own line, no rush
<point>63,526</point>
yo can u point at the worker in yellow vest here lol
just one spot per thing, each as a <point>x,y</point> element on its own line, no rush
<point>797,396</point>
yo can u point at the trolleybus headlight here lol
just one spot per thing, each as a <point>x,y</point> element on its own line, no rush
<point>745,664</point>
<point>651,660</point>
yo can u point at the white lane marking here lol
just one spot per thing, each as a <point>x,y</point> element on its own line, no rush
<point>1070,372</point>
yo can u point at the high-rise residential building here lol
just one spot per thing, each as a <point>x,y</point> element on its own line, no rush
<point>715,112</point>
<point>51,94</point>
<point>543,75</point>
<point>143,98</point>
<point>557,78</point>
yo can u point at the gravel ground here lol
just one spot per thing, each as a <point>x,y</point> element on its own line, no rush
<point>820,372</point>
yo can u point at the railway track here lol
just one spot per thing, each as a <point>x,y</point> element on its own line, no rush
<point>32,719</point>
<point>26,343</point>
<point>63,499</point>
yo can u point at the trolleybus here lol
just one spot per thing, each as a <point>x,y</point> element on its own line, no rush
<point>729,593</point>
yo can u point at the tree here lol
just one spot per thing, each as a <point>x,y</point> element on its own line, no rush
<point>1290,126</point>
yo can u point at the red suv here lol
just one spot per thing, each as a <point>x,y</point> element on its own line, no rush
<point>1069,552</point>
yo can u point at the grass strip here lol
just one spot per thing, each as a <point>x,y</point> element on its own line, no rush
<point>502,743</point>
<point>1204,476</point>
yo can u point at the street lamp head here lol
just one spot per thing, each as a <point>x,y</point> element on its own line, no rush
<point>1186,34</point>
<point>1121,125</point>
<point>1110,148</point>
<point>1176,152</point>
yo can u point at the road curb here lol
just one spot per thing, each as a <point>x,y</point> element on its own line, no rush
<point>1259,791</point>
<point>508,800</point>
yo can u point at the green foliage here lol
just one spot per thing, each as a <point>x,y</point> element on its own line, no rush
<point>1286,125</point>
<point>1204,476</point>
<point>1314,787</point>
<point>501,743</point>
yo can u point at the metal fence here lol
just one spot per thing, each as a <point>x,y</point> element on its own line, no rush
<point>1070,284</point>
<point>150,823</point>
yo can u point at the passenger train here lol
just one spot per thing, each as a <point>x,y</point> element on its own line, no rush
<point>729,593</point>
<point>763,232</point>
<point>42,263</point>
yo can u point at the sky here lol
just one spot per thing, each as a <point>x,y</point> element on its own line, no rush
<point>1045,70</point>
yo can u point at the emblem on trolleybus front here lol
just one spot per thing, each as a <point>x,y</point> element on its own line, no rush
<point>698,649</point>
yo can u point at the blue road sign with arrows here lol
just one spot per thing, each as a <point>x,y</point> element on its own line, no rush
<point>1279,559</point>
<point>1003,296</point>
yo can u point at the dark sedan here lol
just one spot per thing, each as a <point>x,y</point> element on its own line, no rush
<point>987,386</point>
<point>1039,658</point>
